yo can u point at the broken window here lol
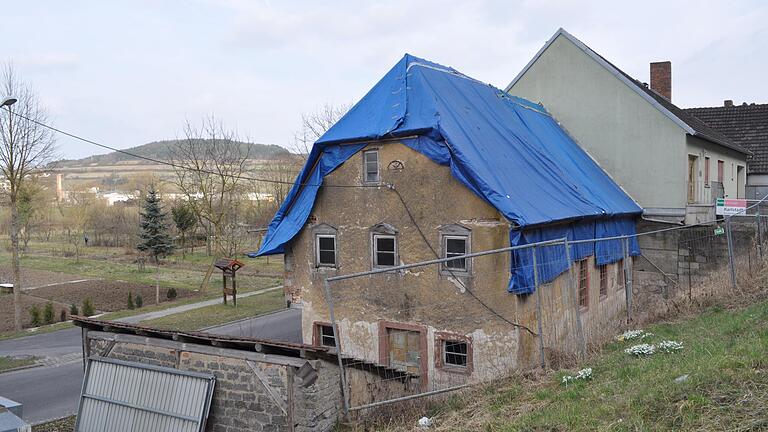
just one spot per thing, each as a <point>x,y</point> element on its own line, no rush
<point>603,280</point>
<point>325,335</point>
<point>455,353</point>
<point>384,250</point>
<point>454,241</point>
<point>371,166</point>
<point>584,283</point>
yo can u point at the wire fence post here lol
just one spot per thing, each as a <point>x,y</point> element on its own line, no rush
<point>342,373</point>
<point>759,234</point>
<point>729,241</point>
<point>538,308</point>
<point>627,279</point>
<point>575,297</point>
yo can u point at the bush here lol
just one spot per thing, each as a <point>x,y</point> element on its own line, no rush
<point>88,309</point>
<point>171,294</point>
<point>73,309</point>
<point>63,315</point>
<point>139,301</point>
<point>35,315</point>
<point>48,315</point>
<point>130,300</point>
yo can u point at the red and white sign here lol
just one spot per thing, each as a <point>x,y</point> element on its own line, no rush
<point>729,207</point>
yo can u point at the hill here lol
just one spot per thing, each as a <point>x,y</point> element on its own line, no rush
<point>160,150</point>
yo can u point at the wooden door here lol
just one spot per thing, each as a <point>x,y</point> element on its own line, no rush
<point>691,179</point>
<point>405,350</point>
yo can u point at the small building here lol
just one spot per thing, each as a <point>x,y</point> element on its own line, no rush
<point>433,163</point>
<point>746,125</point>
<point>673,164</point>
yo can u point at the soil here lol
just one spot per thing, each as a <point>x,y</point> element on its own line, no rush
<point>6,311</point>
<point>35,278</point>
<point>107,296</point>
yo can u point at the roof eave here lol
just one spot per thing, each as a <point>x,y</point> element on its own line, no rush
<point>721,142</point>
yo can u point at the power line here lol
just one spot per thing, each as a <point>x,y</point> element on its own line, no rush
<point>177,166</point>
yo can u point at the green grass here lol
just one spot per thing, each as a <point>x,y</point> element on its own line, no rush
<point>39,330</point>
<point>725,356</point>
<point>7,363</point>
<point>221,314</point>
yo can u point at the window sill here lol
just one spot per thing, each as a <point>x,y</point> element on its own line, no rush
<point>459,370</point>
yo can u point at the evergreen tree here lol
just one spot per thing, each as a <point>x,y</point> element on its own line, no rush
<point>154,238</point>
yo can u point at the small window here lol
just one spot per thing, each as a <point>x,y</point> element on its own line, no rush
<point>583,283</point>
<point>455,353</point>
<point>455,246</point>
<point>384,250</point>
<point>325,335</point>
<point>371,166</point>
<point>706,171</point>
<point>326,250</point>
<point>720,171</point>
<point>603,280</point>
<point>620,275</point>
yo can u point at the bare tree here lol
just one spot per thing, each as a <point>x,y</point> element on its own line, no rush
<point>210,166</point>
<point>25,147</point>
<point>314,125</point>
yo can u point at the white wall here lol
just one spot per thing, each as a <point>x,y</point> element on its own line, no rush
<point>732,160</point>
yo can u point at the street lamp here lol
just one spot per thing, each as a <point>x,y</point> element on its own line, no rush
<point>8,101</point>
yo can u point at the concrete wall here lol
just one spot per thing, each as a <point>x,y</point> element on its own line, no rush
<point>425,300</point>
<point>620,129</point>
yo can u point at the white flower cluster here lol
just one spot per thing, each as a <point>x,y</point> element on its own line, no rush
<point>633,334</point>
<point>584,374</point>
<point>669,346</point>
<point>641,350</point>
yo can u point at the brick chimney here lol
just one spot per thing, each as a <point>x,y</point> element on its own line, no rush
<point>728,103</point>
<point>661,78</point>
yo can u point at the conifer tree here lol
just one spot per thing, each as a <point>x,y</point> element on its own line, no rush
<point>154,238</point>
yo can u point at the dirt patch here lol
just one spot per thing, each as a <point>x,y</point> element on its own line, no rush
<point>6,311</point>
<point>107,296</point>
<point>34,278</point>
<point>63,425</point>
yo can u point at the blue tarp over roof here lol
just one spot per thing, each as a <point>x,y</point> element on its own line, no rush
<point>505,149</point>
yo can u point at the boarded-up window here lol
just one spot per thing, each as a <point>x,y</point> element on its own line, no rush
<point>603,280</point>
<point>583,283</point>
<point>404,349</point>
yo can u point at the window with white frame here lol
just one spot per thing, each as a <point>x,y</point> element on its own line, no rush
<point>371,166</point>
<point>454,241</point>
<point>384,245</point>
<point>325,247</point>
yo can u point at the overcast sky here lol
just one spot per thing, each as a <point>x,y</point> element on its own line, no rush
<point>129,72</point>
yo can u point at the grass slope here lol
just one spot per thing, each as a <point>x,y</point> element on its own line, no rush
<point>725,358</point>
<point>7,363</point>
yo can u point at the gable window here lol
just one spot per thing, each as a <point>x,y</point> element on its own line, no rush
<point>371,166</point>
<point>326,250</point>
<point>620,275</point>
<point>323,335</point>
<point>603,280</point>
<point>455,353</point>
<point>584,283</point>
<point>706,171</point>
<point>384,245</point>
<point>455,241</point>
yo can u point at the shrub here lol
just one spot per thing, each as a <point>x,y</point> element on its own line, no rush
<point>88,309</point>
<point>48,315</point>
<point>130,300</point>
<point>139,301</point>
<point>73,309</point>
<point>171,294</point>
<point>35,315</point>
<point>63,315</point>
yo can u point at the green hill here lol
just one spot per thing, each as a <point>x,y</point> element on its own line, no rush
<point>161,150</point>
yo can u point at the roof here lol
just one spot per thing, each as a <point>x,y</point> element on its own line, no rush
<point>507,150</point>
<point>746,125</point>
<point>690,124</point>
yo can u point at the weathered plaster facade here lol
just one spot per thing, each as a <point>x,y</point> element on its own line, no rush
<point>432,304</point>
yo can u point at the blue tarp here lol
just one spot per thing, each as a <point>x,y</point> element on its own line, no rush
<point>505,149</point>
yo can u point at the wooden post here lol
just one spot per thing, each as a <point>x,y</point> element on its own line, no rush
<point>234,288</point>
<point>224,289</point>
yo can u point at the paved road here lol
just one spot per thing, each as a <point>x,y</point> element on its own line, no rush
<point>52,391</point>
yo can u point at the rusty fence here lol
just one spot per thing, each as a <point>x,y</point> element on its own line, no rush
<point>440,325</point>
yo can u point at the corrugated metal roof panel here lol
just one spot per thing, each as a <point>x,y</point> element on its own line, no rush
<point>124,396</point>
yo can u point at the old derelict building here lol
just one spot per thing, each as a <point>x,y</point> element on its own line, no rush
<point>434,163</point>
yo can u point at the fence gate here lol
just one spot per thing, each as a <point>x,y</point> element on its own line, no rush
<point>121,396</point>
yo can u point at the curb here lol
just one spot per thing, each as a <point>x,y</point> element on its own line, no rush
<point>32,366</point>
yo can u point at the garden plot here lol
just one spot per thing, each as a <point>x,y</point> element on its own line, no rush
<point>35,278</point>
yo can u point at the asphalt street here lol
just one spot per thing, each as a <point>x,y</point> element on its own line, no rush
<point>52,391</point>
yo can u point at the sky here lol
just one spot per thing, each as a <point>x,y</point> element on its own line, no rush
<point>125,73</point>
